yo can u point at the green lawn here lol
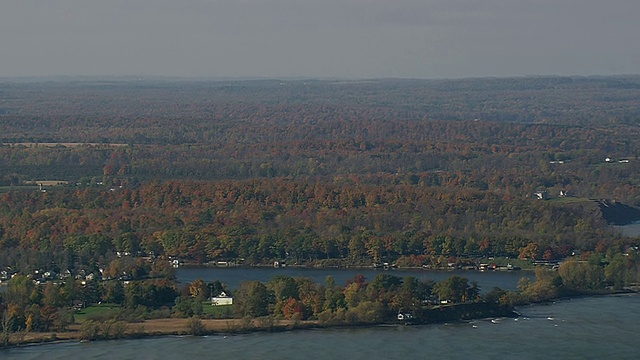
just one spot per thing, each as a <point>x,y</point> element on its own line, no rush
<point>569,200</point>
<point>220,311</point>
<point>104,310</point>
<point>95,310</point>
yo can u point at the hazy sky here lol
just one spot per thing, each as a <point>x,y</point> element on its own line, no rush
<point>319,38</point>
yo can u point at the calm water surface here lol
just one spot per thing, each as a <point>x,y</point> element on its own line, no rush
<point>506,280</point>
<point>630,230</point>
<point>586,328</point>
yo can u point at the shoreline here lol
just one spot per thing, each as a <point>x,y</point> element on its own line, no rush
<point>180,326</point>
<point>354,267</point>
<point>172,327</point>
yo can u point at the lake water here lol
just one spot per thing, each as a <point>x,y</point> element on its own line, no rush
<point>506,280</point>
<point>605,327</point>
<point>630,230</point>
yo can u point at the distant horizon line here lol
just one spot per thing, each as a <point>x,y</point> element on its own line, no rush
<point>169,78</point>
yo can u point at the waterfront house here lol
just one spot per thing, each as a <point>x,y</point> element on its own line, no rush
<point>222,299</point>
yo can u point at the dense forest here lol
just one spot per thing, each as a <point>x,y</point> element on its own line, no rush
<point>419,172</point>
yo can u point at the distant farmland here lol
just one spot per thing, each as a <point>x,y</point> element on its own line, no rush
<point>32,144</point>
<point>47,182</point>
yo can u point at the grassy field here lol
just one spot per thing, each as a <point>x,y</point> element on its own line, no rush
<point>47,182</point>
<point>34,185</point>
<point>98,310</point>
<point>570,200</point>
<point>219,311</point>
<point>105,310</point>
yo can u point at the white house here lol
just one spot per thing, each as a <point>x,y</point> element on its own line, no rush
<point>222,299</point>
<point>541,195</point>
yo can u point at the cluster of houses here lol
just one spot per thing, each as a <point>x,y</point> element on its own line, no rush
<point>43,276</point>
<point>544,194</point>
<point>6,275</point>
<point>607,160</point>
<point>494,267</point>
<point>621,161</point>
